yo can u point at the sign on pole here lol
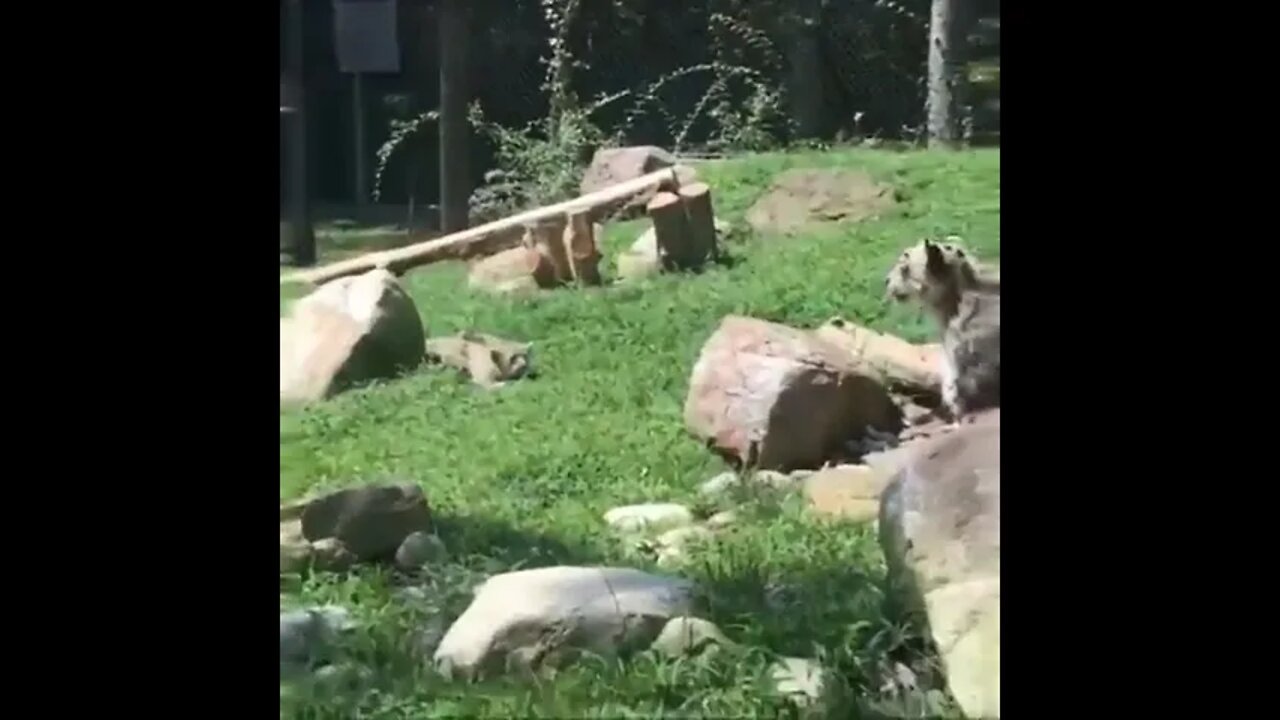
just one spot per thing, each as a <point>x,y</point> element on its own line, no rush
<point>365,36</point>
<point>365,42</point>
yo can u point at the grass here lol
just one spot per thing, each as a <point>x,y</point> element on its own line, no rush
<point>521,477</point>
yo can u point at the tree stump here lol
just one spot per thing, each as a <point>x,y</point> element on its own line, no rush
<point>580,246</point>
<point>671,230</point>
<point>547,237</point>
<point>696,198</point>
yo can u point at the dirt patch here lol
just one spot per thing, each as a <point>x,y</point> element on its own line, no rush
<point>803,197</point>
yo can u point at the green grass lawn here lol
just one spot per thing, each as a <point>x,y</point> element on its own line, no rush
<point>520,477</point>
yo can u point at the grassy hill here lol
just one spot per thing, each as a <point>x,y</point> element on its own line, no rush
<point>520,477</point>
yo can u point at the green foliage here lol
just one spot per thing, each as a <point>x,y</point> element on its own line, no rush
<point>402,132</point>
<point>538,164</point>
<point>520,477</point>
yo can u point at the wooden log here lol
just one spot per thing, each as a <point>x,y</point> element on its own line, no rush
<point>490,237</point>
<point>547,237</point>
<point>671,230</point>
<point>580,245</point>
<point>696,198</point>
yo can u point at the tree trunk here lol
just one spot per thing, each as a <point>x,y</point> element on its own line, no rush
<point>947,39</point>
<point>805,83</point>
<point>455,187</point>
<point>302,236</point>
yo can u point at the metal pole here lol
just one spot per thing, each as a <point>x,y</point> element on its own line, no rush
<point>304,239</point>
<point>357,111</point>
<point>455,187</point>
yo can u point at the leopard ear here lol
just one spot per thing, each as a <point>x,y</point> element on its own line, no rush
<point>935,262</point>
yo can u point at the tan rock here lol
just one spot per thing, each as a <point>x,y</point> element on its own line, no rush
<point>849,492</point>
<point>295,551</point>
<point>515,270</point>
<point>348,332</point>
<point>940,529</point>
<point>781,397</point>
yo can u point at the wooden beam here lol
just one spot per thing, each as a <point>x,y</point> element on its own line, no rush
<point>490,237</point>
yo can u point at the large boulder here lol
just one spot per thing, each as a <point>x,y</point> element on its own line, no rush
<point>940,529</point>
<point>349,331</point>
<point>779,398</point>
<point>610,166</point>
<point>529,617</point>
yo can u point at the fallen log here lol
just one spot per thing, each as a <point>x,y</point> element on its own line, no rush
<point>490,237</point>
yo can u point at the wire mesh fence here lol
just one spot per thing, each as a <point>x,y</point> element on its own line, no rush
<point>697,77</point>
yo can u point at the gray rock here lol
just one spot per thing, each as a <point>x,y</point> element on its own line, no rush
<point>532,617</point>
<point>940,530</point>
<point>307,635</point>
<point>720,484</point>
<point>418,549</point>
<point>722,519</point>
<point>371,520</point>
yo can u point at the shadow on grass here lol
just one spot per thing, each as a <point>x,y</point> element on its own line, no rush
<point>501,545</point>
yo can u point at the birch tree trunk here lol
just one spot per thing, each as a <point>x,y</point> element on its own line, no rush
<point>944,104</point>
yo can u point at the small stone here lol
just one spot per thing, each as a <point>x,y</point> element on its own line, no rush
<point>308,633</point>
<point>340,677</point>
<point>331,555</point>
<point>726,481</point>
<point>673,544</point>
<point>720,484</point>
<point>418,549</point>
<point>722,519</point>
<point>295,552</point>
<point>802,681</point>
<point>776,480</point>
<point>688,636</point>
<point>653,517</point>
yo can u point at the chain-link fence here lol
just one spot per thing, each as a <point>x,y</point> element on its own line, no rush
<point>699,76</point>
